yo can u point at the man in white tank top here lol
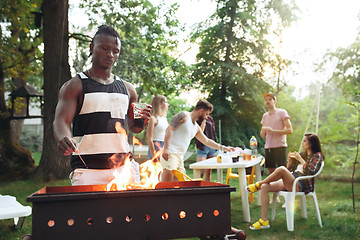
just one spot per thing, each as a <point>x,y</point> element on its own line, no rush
<point>181,130</point>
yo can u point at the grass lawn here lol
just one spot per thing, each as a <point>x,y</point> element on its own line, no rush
<point>334,197</point>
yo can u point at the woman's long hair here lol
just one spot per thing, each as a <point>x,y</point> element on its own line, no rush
<point>155,103</point>
<point>314,141</point>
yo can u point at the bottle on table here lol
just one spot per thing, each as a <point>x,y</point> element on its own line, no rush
<point>253,145</point>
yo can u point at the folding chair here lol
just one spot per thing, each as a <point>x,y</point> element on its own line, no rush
<point>183,177</point>
<point>249,178</point>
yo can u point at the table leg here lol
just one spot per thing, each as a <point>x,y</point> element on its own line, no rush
<point>196,173</point>
<point>244,194</point>
<point>258,179</point>
<point>219,175</point>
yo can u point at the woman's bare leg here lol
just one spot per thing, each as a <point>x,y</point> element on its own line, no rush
<point>281,179</point>
<point>280,173</point>
<point>265,189</point>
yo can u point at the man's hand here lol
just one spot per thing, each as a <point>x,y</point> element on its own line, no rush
<point>67,145</point>
<point>166,154</point>
<point>267,129</point>
<point>229,149</point>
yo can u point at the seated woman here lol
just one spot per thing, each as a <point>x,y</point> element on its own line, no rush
<point>282,179</point>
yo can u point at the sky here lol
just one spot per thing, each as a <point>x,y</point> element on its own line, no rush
<point>322,25</point>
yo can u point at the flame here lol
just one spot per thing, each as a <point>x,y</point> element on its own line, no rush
<point>119,128</point>
<point>137,141</point>
<point>150,172</point>
<point>121,179</point>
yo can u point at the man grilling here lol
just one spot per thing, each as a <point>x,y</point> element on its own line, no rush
<point>94,102</point>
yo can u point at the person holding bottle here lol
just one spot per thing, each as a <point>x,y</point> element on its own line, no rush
<point>157,125</point>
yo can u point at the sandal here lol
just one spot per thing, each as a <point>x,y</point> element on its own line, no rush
<point>252,188</point>
<point>260,225</point>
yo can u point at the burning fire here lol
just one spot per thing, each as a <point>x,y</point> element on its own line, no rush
<point>119,128</point>
<point>137,141</point>
<point>149,171</point>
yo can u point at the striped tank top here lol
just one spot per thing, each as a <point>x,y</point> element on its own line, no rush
<point>93,127</point>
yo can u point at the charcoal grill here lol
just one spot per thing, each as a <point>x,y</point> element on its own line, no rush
<point>171,210</point>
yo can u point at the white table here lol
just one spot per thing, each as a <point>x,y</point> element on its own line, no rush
<point>226,163</point>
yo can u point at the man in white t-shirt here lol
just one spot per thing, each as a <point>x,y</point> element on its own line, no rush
<point>181,130</point>
<point>275,126</point>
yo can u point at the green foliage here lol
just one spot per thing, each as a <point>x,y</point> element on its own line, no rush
<point>147,36</point>
<point>347,73</point>
<point>338,140</point>
<point>346,76</point>
<point>232,59</point>
<point>20,41</point>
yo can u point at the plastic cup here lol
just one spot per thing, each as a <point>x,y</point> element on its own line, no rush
<point>235,159</point>
<point>138,107</point>
<point>247,156</point>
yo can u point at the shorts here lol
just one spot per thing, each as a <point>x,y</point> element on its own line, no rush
<point>300,182</point>
<point>207,152</point>
<point>275,157</point>
<point>83,176</point>
<point>175,162</point>
<point>156,146</point>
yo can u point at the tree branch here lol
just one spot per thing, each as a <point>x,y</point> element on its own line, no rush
<point>80,36</point>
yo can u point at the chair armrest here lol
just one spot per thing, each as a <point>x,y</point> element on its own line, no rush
<point>300,178</point>
<point>306,177</point>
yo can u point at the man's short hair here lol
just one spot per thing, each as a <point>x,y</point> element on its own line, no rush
<point>105,29</point>
<point>204,104</point>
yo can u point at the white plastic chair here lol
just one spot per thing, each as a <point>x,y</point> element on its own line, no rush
<point>10,208</point>
<point>290,201</point>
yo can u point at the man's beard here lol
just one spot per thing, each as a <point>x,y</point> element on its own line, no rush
<point>201,118</point>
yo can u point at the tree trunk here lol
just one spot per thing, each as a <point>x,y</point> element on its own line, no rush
<point>15,161</point>
<point>226,74</point>
<point>356,159</point>
<point>56,72</point>
<point>17,125</point>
